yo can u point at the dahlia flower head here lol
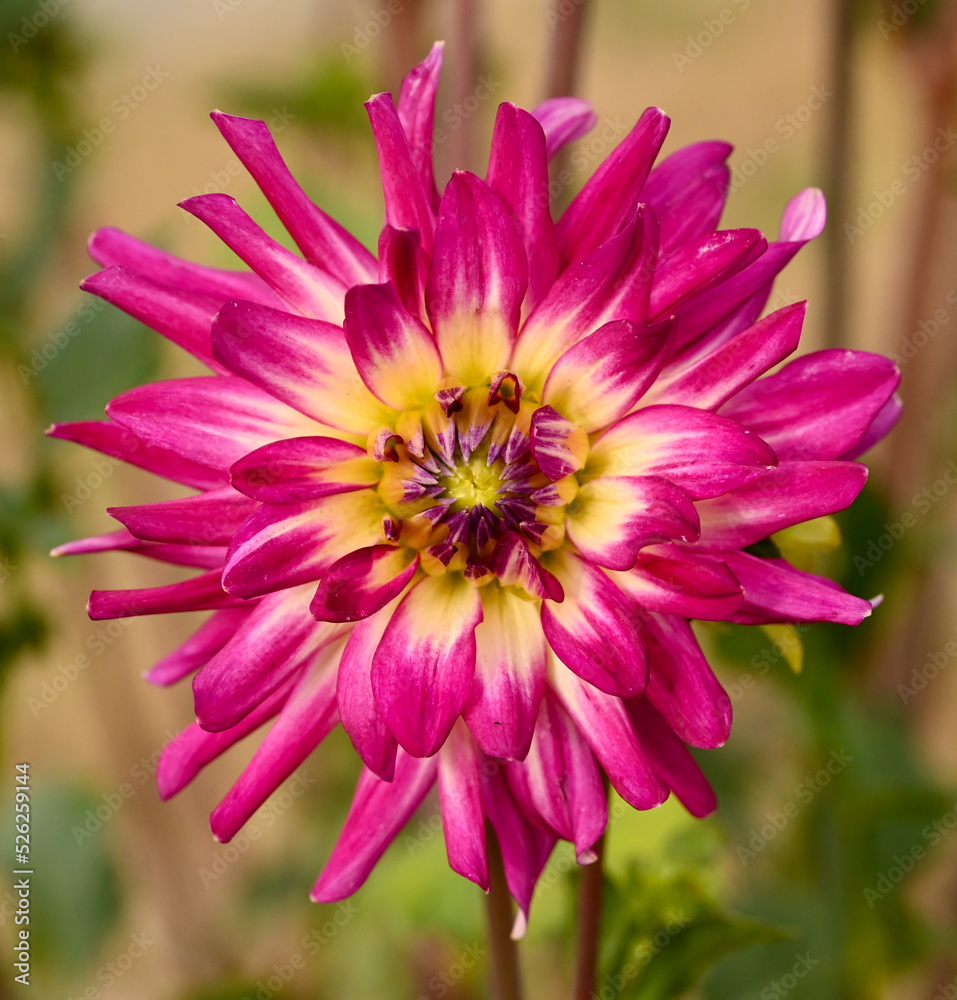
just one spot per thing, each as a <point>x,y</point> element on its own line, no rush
<point>465,496</point>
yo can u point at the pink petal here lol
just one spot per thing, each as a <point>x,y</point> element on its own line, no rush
<point>378,812</point>
<point>407,200</point>
<point>611,194</point>
<point>394,353</point>
<point>363,582</point>
<point>305,720</point>
<point>612,519</point>
<point>404,264</point>
<point>477,279</point>
<point>199,557</point>
<point>417,115</point>
<point>789,494</point>
<point>687,191</point>
<point>703,453</point>
<point>304,468</point>
<point>200,647</point>
<point>184,317</point>
<point>563,120</point>
<point>283,545</point>
<point>275,642</point>
<point>320,238</point>
<point>460,797</point>
<point>422,668</point>
<point>599,379</point>
<point>774,591</point>
<point>210,518</point>
<point>671,760</point>
<point>604,722</point>
<point>121,443</point>
<point>112,247</point>
<point>560,779</point>
<point>682,686</point>
<point>509,675</point>
<point>595,630</point>
<point>211,420</point>
<point>559,446</point>
<point>819,405</point>
<point>303,287</point>
<point>303,362</point>
<point>518,174</point>
<point>200,593</point>
<point>883,423</point>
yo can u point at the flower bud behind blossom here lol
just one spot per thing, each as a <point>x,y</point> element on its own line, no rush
<point>464,497</point>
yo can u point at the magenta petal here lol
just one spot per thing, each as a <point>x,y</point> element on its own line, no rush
<point>192,749</point>
<point>599,379</point>
<point>404,264</point>
<point>306,719</point>
<point>789,494</point>
<point>320,238</point>
<point>408,203</point>
<point>370,736</point>
<point>305,363</point>
<point>563,120</point>
<point>687,191</point>
<point>201,593</point>
<point>604,722</point>
<point>675,581</point>
<point>774,591</point>
<point>274,643</point>
<point>883,423</point>
<point>417,115</point>
<point>509,678</point>
<point>560,779</point>
<point>394,353</point>
<point>518,173</point>
<point>112,248</point>
<point>210,420</point>
<point>303,287</point>
<point>682,686</point>
<point>363,582</point>
<point>703,453</point>
<point>559,446</point>
<point>303,468</point>
<point>210,518</point>
<point>525,847</point>
<point>184,317</point>
<point>460,798</point>
<point>197,556</point>
<point>671,760</point>
<point>422,668</point>
<point>120,442</point>
<point>596,630</point>
<point>611,194</point>
<point>378,812</point>
<point>477,279</point>
<point>699,262</point>
<point>712,376</point>
<point>200,647</point>
<point>819,405</point>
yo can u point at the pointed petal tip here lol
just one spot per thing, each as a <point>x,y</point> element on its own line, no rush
<point>520,926</point>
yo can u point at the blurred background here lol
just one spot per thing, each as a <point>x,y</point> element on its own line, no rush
<point>830,868</point>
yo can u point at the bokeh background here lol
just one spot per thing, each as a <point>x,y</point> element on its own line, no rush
<point>830,868</point>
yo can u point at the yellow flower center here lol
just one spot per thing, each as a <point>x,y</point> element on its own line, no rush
<point>475,482</point>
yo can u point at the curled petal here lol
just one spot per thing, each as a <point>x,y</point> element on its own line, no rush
<point>563,120</point>
<point>363,582</point>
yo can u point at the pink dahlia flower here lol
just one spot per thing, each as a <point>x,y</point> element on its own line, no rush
<point>464,497</point>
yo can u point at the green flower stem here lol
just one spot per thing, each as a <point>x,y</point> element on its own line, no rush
<point>506,977</point>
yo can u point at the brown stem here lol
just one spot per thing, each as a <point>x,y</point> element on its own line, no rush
<point>589,923</point>
<point>838,174</point>
<point>506,976</point>
<point>465,72</point>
